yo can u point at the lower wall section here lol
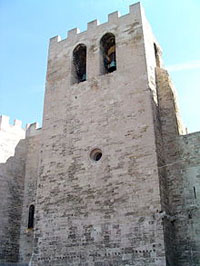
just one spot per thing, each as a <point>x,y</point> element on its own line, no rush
<point>137,243</point>
<point>122,257</point>
<point>31,175</point>
<point>11,201</point>
<point>183,219</point>
<point>13,264</point>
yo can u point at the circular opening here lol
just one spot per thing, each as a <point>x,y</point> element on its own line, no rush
<point>96,155</point>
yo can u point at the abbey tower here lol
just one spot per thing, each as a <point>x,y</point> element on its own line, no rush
<point>112,178</point>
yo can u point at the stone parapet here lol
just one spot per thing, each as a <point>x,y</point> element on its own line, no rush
<point>32,129</point>
<point>114,17</point>
<point>5,124</point>
<point>10,135</point>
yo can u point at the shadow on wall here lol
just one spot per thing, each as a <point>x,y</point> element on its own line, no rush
<point>12,174</point>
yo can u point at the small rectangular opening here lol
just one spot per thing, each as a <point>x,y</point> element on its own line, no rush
<point>194,190</point>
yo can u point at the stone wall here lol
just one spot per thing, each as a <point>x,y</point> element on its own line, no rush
<point>138,204</point>
<point>169,126</point>
<point>184,200</point>
<point>12,163</point>
<point>20,168</point>
<point>105,212</point>
<point>180,170</point>
<point>31,175</point>
<point>11,196</point>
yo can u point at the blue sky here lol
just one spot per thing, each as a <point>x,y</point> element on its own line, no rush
<point>27,25</point>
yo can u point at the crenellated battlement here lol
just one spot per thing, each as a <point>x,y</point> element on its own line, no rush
<point>16,128</point>
<point>114,17</point>
<point>10,135</point>
<point>32,129</point>
<point>5,124</point>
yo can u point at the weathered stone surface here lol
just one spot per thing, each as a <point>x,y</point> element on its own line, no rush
<point>180,169</point>
<point>30,184</point>
<point>11,196</point>
<point>138,204</point>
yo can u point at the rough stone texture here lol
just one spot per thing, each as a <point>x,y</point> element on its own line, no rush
<point>13,264</point>
<point>185,200</point>
<point>31,174</point>
<point>107,211</point>
<point>21,164</point>
<point>11,195</point>
<point>139,204</point>
<point>12,159</point>
<point>181,170</point>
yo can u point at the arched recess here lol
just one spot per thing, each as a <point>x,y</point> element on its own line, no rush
<point>79,63</point>
<point>108,53</point>
<point>31,216</point>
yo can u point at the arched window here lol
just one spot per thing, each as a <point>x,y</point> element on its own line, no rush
<point>108,53</point>
<point>31,216</point>
<point>79,63</point>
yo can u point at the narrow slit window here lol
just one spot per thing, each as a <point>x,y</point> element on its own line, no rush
<point>31,216</point>
<point>195,194</point>
<point>79,63</point>
<point>108,53</point>
<point>157,57</point>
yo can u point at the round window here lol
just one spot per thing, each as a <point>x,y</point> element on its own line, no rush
<point>96,155</point>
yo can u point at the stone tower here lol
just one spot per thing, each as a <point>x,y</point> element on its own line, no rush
<point>111,178</point>
<point>98,195</point>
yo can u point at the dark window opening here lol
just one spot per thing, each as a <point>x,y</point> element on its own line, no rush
<point>79,63</point>
<point>157,57</point>
<point>195,194</point>
<point>108,51</point>
<point>96,154</point>
<point>31,216</point>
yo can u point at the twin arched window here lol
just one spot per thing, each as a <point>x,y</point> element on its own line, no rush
<point>108,58</point>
